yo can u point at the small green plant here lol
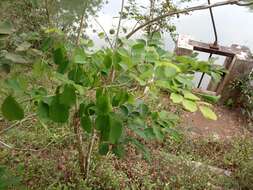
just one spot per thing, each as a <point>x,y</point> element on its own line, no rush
<point>7,180</point>
<point>244,86</point>
<point>92,91</point>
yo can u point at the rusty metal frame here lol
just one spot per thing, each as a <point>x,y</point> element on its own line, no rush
<point>228,52</point>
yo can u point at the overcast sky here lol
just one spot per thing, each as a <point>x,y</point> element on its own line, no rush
<point>234,24</point>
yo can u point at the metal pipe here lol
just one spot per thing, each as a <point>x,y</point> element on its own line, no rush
<point>215,41</point>
<point>213,23</point>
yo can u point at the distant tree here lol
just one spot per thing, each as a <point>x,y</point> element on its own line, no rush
<point>66,15</point>
<point>32,15</point>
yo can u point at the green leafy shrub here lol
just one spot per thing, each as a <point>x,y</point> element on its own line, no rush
<point>93,88</point>
<point>244,86</point>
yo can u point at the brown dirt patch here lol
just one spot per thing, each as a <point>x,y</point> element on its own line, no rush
<point>230,123</point>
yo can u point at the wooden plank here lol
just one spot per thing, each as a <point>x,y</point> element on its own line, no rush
<point>205,47</point>
<point>226,77</point>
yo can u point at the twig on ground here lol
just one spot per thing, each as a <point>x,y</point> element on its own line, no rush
<point>17,123</point>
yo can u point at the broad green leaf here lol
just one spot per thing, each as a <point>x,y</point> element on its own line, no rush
<point>164,84</point>
<point>190,96</point>
<point>126,61</point>
<point>165,72</point>
<point>105,129</point>
<point>208,113</point>
<point>11,109</point>
<point>168,64</point>
<point>68,96</point>
<point>77,75</point>
<point>59,55</point>
<point>62,78</point>
<point>190,105</point>
<point>103,104</point>
<point>160,73</point>
<point>115,129</point>
<point>170,72</point>
<point>184,80</point>
<point>137,52</point>
<point>103,148</point>
<point>124,112</point>
<point>102,124</point>
<point>43,110</point>
<point>151,54</point>
<point>87,109</point>
<point>120,98</point>
<point>79,56</point>
<point>176,98</point>
<point>116,58</point>
<point>58,112</point>
<point>62,68</point>
<point>107,61</point>
<point>86,123</point>
<point>209,98</point>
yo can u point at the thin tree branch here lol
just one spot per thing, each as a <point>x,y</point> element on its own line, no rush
<point>119,24</point>
<point>106,35</point>
<point>81,25</point>
<point>186,10</point>
<point>80,29</point>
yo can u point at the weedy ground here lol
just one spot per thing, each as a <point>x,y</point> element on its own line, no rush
<point>45,158</point>
<point>42,156</point>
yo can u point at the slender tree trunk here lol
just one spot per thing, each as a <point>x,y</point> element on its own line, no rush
<point>88,156</point>
<point>112,74</point>
<point>79,143</point>
<point>151,16</point>
<point>80,29</point>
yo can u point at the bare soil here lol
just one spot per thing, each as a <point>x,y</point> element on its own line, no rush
<point>230,123</point>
